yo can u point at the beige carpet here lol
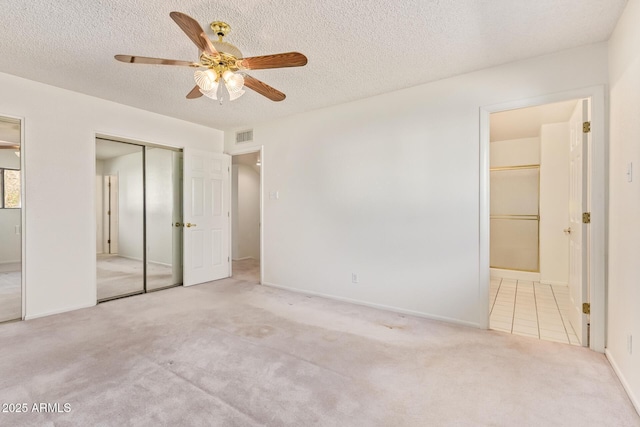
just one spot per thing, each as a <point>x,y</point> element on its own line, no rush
<point>120,276</point>
<point>10,292</point>
<point>230,353</point>
<point>246,269</point>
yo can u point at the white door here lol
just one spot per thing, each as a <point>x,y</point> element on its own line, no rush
<point>206,216</point>
<point>578,261</point>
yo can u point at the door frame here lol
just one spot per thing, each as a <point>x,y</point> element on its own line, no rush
<point>143,144</point>
<point>23,216</point>
<point>238,152</point>
<point>598,195</point>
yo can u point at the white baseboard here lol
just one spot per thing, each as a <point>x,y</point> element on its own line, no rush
<point>18,261</point>
<point>625,384</point>
<point>63,310</point>
<point>514,274</point>
<point>243,258</point>
<point>378,306</point>
<point>553,283</point>
<point>127,257</point>
<point>164,264</point>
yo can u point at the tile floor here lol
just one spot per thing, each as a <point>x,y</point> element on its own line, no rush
<point>531,309</point>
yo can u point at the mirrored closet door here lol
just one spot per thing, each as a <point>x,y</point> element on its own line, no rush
<point>164,218</point>
<point>138,218</point>
<point>10,220</point>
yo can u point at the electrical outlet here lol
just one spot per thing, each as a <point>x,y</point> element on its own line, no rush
<point>354,278</point>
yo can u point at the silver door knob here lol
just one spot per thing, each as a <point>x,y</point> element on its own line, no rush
<point>567,230</point>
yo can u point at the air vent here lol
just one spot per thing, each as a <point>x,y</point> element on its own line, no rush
<point>244,136</point>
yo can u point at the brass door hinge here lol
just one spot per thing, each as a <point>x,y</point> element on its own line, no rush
<point>586,218</point>
<point>586,308</point>
<point>586,127</point>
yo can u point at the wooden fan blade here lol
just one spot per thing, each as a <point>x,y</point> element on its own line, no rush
<point>278,60</point>
<point>157,61</point>
<point>263,89</point>
<point>195,93</point>
<point>9,145</point>
<point>210,49</point>
<point>194,31</point>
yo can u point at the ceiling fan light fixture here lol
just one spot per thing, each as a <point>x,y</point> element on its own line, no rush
<point>235,95</point>
<point>206,80</point>
<point>211,93</point>
<point>233,81</point>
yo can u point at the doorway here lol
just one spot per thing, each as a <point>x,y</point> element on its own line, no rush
<point>530,180</point>
<point>11,229</point>
<point>246,213</point>
<point>138,218</point>
<point>520,240</point>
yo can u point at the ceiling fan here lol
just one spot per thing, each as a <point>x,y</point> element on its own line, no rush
<point>9,145</point>
<point>222,62</point>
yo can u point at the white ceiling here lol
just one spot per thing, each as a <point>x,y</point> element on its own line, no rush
<point>356,48</point>
<point>526,122</point>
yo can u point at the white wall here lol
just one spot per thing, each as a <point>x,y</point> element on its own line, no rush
<point>59,151</point>
<point>624,204</point>
<point>9,160</point>
<point>515,152</point>
<point>387,188</point>
<point>160,194</point>
<point>128,169</point>
<point>554,203</point>
<point>10,247</point>
<point>246,212</point>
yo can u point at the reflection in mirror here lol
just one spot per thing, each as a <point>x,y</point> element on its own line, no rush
<point>10,220</point>
<point>119,219</point>
<point>164,221</point>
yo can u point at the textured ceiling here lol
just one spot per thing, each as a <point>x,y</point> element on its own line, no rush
<point>356,48</point>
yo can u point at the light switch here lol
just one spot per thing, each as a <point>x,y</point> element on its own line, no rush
<point>274,195</point>
<point>630,172</point>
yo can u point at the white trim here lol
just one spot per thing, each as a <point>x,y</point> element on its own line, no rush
<point>514,274</point>
<point>237,152</point>
<point>136,141</point>
<point>553,283</point>
<point>242,259</point>
<point>164,264</point>
<point>23,215</point>
<point>62,310</point>
<point>634,400</point>
<point>597,196</point>
<point>245,150</point>
<point>484,206</point>
<point>377,306</point>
